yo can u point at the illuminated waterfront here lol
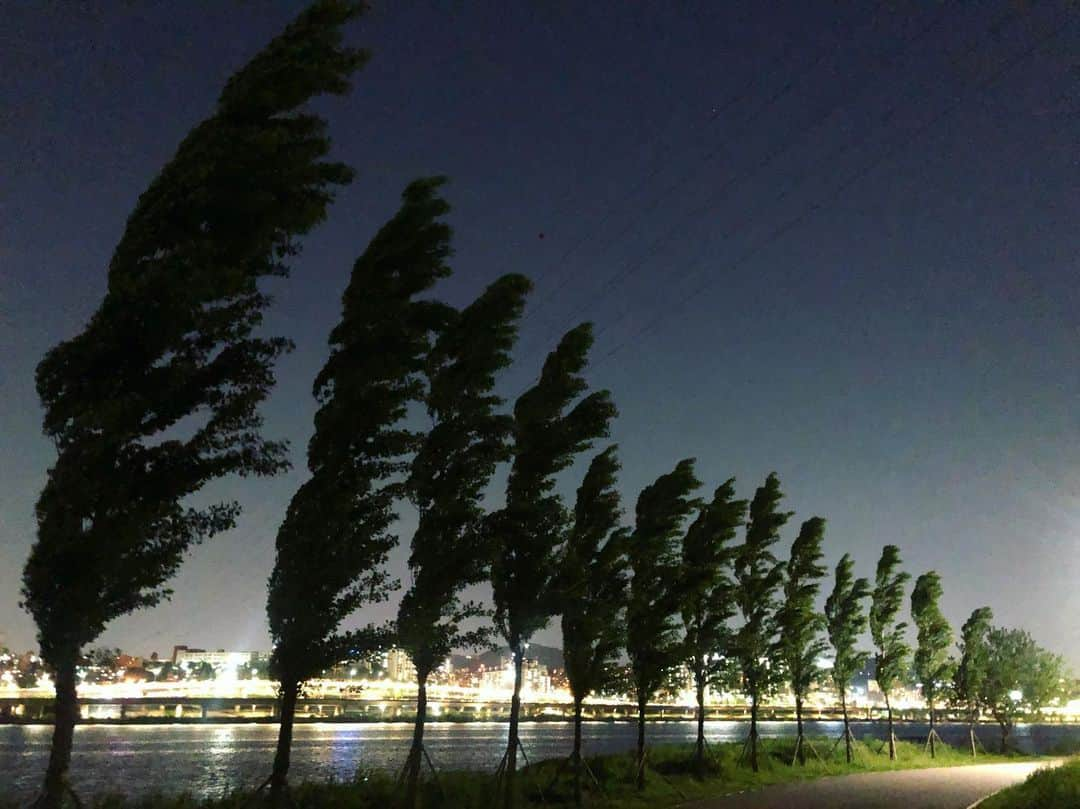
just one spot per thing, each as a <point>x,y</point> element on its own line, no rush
<point>212,759</point>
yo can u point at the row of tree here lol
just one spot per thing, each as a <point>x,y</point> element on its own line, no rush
<point>159,395</point>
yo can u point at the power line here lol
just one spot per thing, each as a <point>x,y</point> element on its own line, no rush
<point>741,95</point>
<point>799,219</point>
<point>735,180</point>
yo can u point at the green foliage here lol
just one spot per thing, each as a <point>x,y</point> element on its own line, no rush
<point>652,640</point>
<point>758,576</point>
<point>846,621</point>
<point>553,423</point>
<point>933,666</point>
<point>1021,677</point>
<point>158,395</point>
<point>468,438</point>
<point>707,597</point>
<point>892,650</point>
<point>593,581</point>
<point>973,668</point>
<point>336,533</point>
<point>801,626</point>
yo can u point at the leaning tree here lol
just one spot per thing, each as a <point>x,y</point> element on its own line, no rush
<point>652,638</point>
<point>159,393</point>
<point>593,591</point>
<point>758,575</point>
<point>933,666</point>
<point>801,625</point>
<point>553,423</point>
<point>845,621</point>
<point>336,535</point>
<point>891,650</point>
<point>972,668</point>
<point>468,438</point>
<point>707,598</point>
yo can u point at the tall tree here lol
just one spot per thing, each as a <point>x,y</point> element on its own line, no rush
<point>891,650</point>
<point>159,394</point>
<point>758,575</point>
<point>467,439</point>
<point>593,591</point>
<point>708,598</point>
<point>933,665</point>
<point>553,423</point>
<point>972,670</point>
<point>801,625</point>
<point>652,638</point>
<point>846,620</point>
<point>1021,678</point>
<point>336,534</point>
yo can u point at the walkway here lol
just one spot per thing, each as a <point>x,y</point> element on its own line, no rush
<point>940,788</point>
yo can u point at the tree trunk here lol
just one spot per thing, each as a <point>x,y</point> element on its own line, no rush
<point>279,778</point>
<point>642,702</point>
<point>892,736</point>
<point>753,730</point>
<point>932,731</point>
<point>1004,736</point>
<point>416,752</point>
<point>699,753</point>
<point>847,727</point>
<point>799,738</point>
<point>512,742</point>
<point>67,714</point>
<point>971,730</point>
<point>576,756</point>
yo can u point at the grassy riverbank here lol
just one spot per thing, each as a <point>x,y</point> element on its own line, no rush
<point>669,780</point>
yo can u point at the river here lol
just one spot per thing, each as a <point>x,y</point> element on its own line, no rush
<point>210,760</point>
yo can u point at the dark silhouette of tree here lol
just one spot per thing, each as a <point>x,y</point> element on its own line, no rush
<point>933,666</point>
<point>467,439</point>
<point>801,625</point>
<point>549,431</point>
<point>758,575</point>
<point>336,534</point>
<point>846,621</point>
<point>159,394</point>
<point>593,591</point>
<point>972,669</point>
<point>1021,678</point>
<point>708,598</point>
<point>652,639</point>
<point>891,650</point>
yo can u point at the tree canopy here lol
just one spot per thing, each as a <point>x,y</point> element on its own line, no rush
<point>933,666</point>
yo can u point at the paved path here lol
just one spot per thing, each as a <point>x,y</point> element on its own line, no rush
<point>941,788</point>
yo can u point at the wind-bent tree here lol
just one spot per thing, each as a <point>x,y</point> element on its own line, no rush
<point>933,666</point>
<point>846,621</point>
<point>758,575</point>
<point>593,591</point>
<point>801,625</point>
<point>652,638</point>
<point>336,534</point>
<point>971,672</point>
<point>159,394</point>
<point>708,598</point>
<point>891,650</point>
<point>549,431</point>
<point>468,438</point>
<point>1021,678</point>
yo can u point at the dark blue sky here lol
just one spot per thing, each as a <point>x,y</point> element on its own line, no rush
<point>837,240</point>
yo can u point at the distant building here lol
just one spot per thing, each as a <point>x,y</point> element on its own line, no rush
<point>399,666</point>
<point>221,660</point>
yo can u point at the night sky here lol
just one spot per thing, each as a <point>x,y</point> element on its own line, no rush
<point>835,240</point>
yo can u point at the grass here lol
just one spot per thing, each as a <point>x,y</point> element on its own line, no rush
<point>670,780</point>
<point>1055,788</point>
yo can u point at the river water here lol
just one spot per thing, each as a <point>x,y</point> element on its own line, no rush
<point>210,760</point>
